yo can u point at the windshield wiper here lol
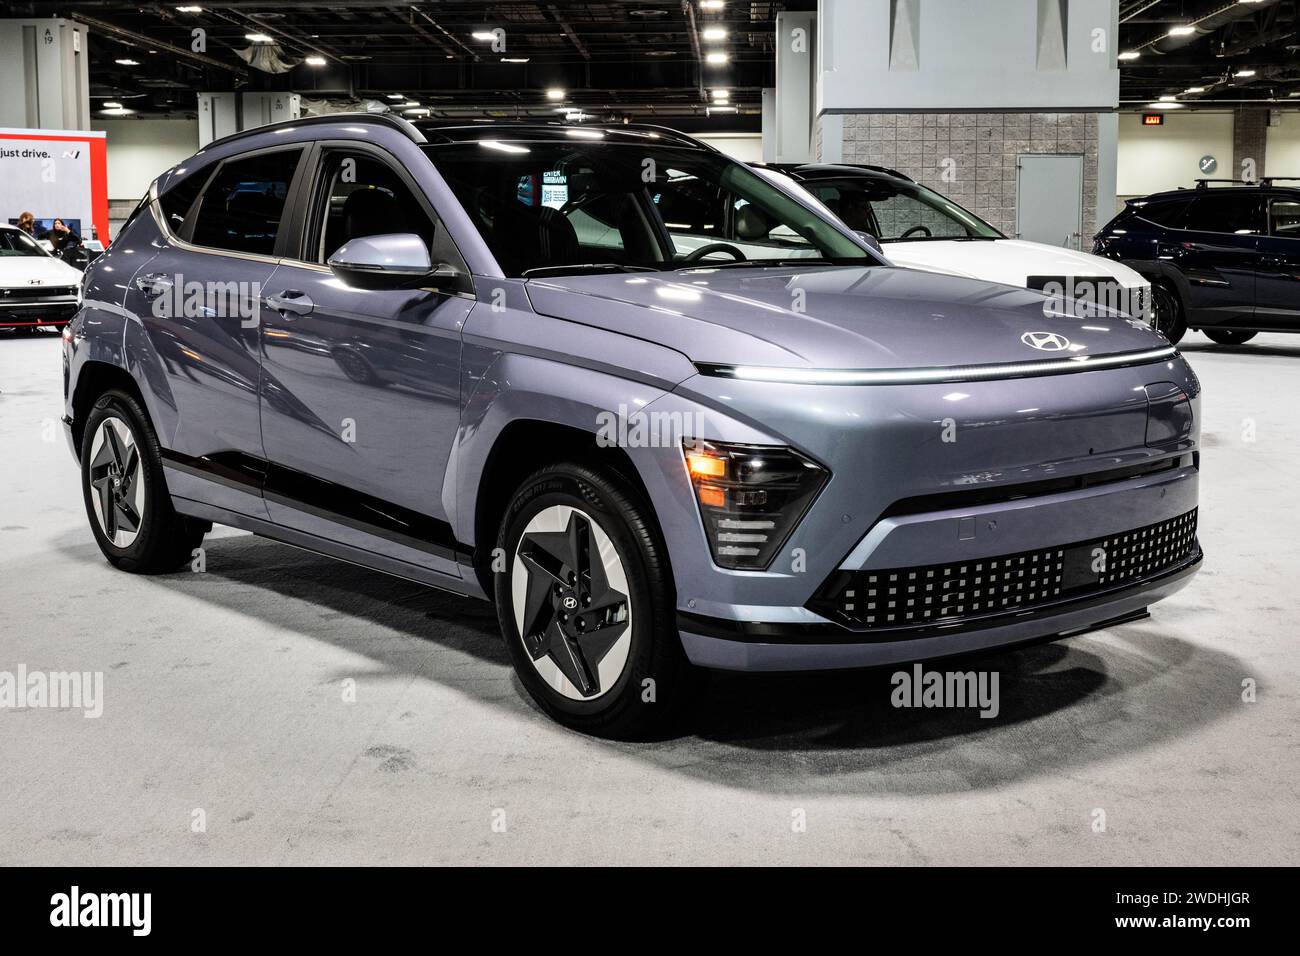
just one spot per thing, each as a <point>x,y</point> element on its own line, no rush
<point>583,268</point>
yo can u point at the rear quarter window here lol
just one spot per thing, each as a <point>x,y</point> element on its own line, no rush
<point>1167,212</point>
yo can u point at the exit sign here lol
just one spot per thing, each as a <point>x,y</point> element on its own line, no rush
<point>1153,119</point>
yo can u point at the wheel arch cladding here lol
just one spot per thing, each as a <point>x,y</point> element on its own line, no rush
<point>94,379</point>
<point>522,448</point>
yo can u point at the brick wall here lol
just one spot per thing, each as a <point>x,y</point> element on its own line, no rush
<point>982,150</point>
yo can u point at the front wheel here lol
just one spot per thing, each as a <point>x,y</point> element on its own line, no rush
<point>1167,313</point>
<point>586,604</point>
<point>1229,336</point>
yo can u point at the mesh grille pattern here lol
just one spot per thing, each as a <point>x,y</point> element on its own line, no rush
<point>904,597</point>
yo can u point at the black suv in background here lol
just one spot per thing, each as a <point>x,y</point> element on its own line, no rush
<point>1224,260</point>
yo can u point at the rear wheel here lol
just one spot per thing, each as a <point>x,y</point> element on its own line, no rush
<point>1167,315</point>
<point>1229,336</point>
<point>126,497</point>
<point>586,604</point>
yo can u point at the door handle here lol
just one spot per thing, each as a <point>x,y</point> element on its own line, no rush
<point>290,303</point>
<point>154,285</point>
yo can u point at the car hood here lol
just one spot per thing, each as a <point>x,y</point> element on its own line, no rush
<point>27,271</point>
<point>1011,261</point>
<point>878,317</point>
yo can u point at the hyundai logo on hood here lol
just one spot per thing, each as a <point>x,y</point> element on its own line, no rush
<point>1046,341</point>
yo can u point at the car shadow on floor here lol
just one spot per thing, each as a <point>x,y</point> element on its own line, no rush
<point>1060,706</point>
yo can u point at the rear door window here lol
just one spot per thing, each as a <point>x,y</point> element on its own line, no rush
<point>1237,213</point>
<point>243,205</point>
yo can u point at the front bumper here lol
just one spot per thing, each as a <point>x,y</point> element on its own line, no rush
<point>1034,463</point>
<point>732,645</point>
<point>33,314</point>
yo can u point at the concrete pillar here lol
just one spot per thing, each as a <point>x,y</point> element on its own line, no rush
<point>1249,143</point>
<point>44,80</point>
<point>221,114</point>
<point>952,93</point>
<point>794,87</point>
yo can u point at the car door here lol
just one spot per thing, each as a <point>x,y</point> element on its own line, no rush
<point>1216,248</point>
<point>1277,285</point>
<point>198,302</point>
<point>361,394</point>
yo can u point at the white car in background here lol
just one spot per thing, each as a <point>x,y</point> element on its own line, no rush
<point>918,228</point>
<point>36,289</point>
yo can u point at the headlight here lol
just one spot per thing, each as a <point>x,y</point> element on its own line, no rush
<point>750,497</point>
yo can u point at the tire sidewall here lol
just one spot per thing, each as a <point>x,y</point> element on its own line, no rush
<point>1177,325</point>
<point>586,491</point>
<point>119,405</point>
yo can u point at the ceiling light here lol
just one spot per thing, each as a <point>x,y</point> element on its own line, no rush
<point>117,111</point>
<point>112,105</point>
<point>721,95</point>
<point>1165,106</point>
<point>410,104</point>
<point>712,4</point>
<point>127,62</point>
<point>258,38</point>
<point>717,59</point>
<point>396,96</point>
<point>1194,89</point>
<point>713,33</point>
<point>1294,93</point>
<point>487,35</point>
<point>1244,73</point>
<point>189,9</point>
<point>555,93</point>
<point>514,59</point>
<point>1129,55</point>
<point>1185,30</point>
<point>1168,98</point>
<point>316,61</point>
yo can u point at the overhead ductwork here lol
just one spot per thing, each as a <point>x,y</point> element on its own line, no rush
<point>1217,16</point>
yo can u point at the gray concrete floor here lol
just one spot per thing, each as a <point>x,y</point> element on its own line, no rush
<point>223,694</point>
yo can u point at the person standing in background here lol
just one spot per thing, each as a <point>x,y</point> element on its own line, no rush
<point>27,223</point>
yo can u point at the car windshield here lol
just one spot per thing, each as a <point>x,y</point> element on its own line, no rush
<point>15,243</point>
<point>595,202</point>
<point>899,212</point>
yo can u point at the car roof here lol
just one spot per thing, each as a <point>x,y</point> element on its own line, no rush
<point>809,172</point>
<point>430,132</point>
<point>1203,188</point>
<point>549,131</point>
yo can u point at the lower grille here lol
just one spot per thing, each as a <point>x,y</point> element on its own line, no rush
<point>943,594</point>
<point>28,293</point>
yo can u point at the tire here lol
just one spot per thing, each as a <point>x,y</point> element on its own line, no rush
<point>146,535</point>
<point>629,682</point>
<point>1167,314</point>
<point>1229,336</point>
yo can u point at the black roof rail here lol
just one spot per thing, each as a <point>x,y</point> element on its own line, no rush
<point>1262,181</point>
<point>405,127</point>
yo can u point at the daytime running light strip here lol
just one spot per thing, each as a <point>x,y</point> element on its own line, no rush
<point>919,376</point>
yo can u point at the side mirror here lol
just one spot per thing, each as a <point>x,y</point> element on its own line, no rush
<point>870,240</point>
<point>393,261</point>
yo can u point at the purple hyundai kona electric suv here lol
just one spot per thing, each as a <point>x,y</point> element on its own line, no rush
<point>666,414</point>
